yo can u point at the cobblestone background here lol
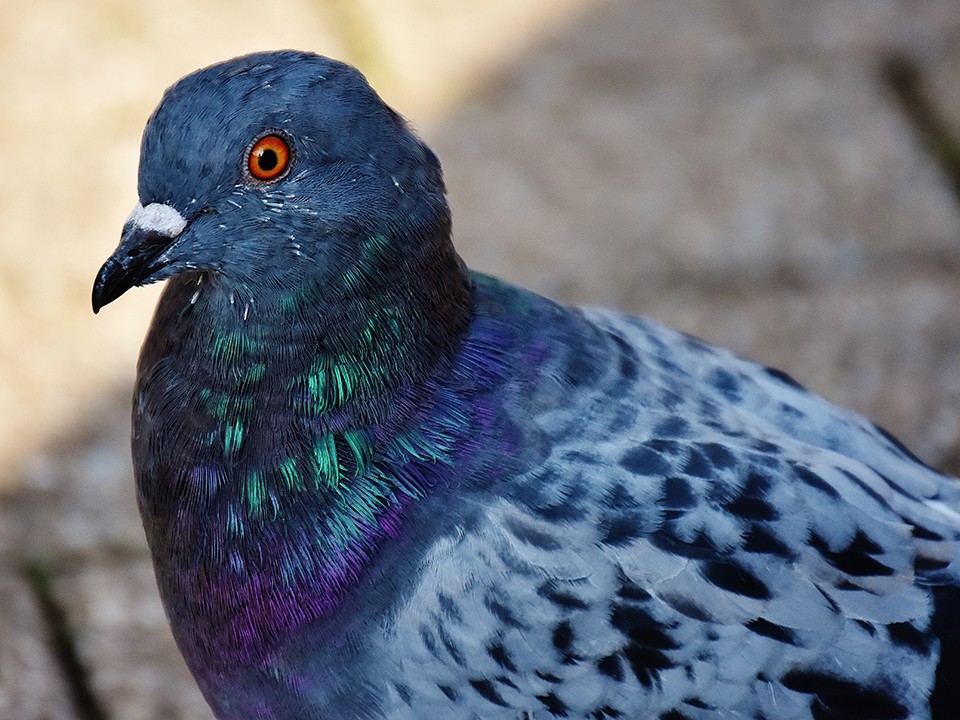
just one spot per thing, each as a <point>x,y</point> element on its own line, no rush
<point>781,178</point>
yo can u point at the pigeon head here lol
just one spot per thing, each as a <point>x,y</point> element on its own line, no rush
<point>280,170</point>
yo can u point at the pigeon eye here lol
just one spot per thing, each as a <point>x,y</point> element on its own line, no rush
<point>269,157</point>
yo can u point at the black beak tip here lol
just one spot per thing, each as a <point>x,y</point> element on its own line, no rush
<point>98,299</point>
<point>106,287</point>
<point>138,260</point>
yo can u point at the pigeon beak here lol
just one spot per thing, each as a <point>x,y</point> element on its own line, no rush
<point>147,233</point>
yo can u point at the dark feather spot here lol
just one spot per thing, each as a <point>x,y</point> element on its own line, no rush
<point>670,397</point>
<point>772,630</point>
<point>750,503</point>
<point>629,590</point>
<point>501,657</point>
<point>563,641</point>
<point>502,613</point>
<point>621,528</point>
<point>700,546</point>
<point>531,535</point>
<point>810,478</point>
<point>855,559</point>
<point>617,497</point>
<point>784,378</point>
<point>834,608</point>
<point>554,705</point>
<point>863,544</point>
<point>403,691</point>
<point>907,635</point>
<point>449,608</point>
<point>677,493</point>
<point>452,648</point>
<point>927,566</point>
<point>611,667</point>
<point>560,598</point>
<point>640,626</point>
<point>671,427</point>
<point>923,533</point>
<point>673,715</point>
<point>751,508</point>
<point>567,510</point>
<point>847,585</point>
<point>727,383</point>
<point>765,446</point>
<point>836,698</point>
<point>628,358</point>
<point>720,456</point>
<point>688,606</point>
<point>643,460</point>
<point>646,663</point>
<point>449,692</point>
<point>488,692</point>
<point>731,575</point>
<point>429,642</point>
<point>791,411</point>
<point>759,540</point>
<point>697,465</point>
<point>549,677</point>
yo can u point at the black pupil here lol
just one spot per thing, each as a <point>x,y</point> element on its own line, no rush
<point>268,160</point>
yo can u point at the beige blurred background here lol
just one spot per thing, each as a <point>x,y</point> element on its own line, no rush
<point>779,177</point>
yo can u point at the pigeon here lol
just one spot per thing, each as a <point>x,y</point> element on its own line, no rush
<point>376,484</point>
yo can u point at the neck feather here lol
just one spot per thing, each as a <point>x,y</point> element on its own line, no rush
<point>282,440</point>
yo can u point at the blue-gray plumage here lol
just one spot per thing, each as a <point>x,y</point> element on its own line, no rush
<point>376,485</point>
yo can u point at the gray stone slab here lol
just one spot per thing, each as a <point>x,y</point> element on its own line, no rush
<point>868,28</point>
<point>942,70</point>
<point>124,640</point>
<point>607,181</point>
<point>77,496</point>
<point>675,37</point>
<point>604,194</point>
<point>31,684</point>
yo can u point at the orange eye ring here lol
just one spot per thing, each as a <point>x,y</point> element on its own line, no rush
<point>269,157</point>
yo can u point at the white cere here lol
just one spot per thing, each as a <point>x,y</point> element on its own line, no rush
<point>157,217</point>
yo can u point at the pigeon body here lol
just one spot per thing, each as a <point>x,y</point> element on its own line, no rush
<point>377,485</point>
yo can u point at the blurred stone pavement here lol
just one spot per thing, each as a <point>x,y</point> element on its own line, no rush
<point>781,178</point>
